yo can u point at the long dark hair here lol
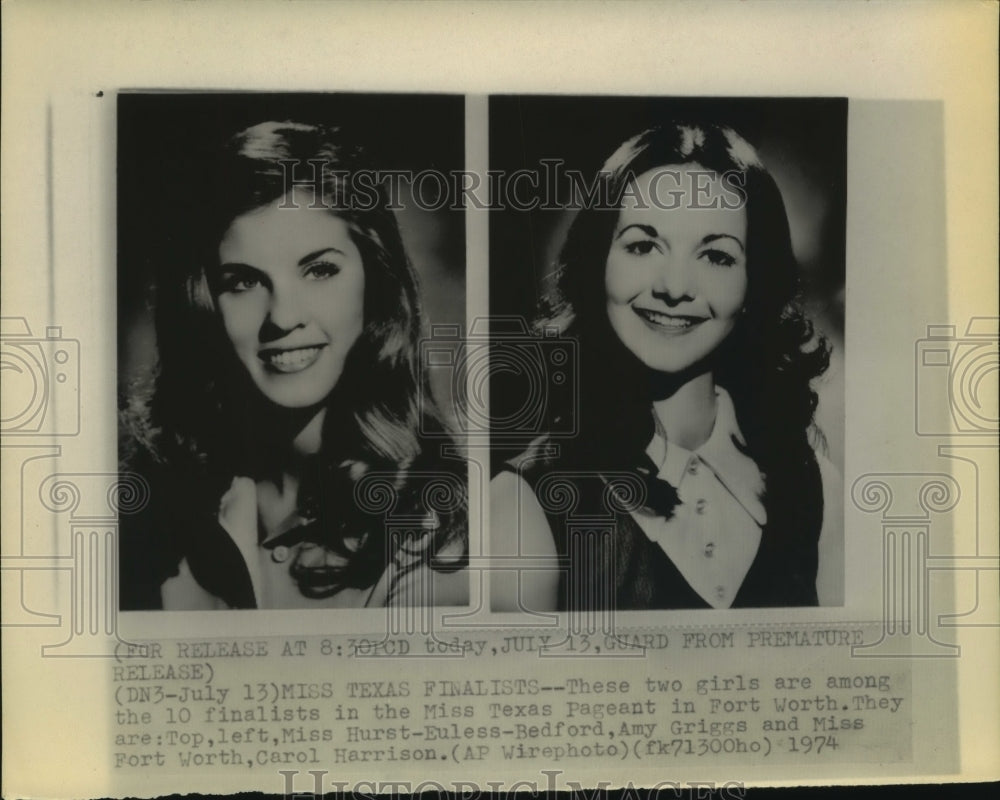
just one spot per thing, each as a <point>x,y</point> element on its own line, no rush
<point>189,423</point>
<point>766,363</point>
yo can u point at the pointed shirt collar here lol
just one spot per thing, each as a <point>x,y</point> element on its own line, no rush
<point>734,469</point>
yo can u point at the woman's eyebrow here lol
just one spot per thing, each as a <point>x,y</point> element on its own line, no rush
<point>307,258</point>
<point>231,265</point>
<point>715,236</point>
<point>649,230</point>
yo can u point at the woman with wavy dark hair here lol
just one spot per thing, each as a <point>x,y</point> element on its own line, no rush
<point>695,445</point>
<point>287,399</point>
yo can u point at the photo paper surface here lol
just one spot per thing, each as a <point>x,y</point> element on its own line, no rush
<point>311,486</point>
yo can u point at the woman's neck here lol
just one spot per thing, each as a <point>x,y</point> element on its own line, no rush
<point>287,437</point>
<point>309,439</point>
<point>277,495</point>
<point>687,412</point>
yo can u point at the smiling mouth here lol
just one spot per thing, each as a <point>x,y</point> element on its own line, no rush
<point>668,323</point>
<point>291,360</point>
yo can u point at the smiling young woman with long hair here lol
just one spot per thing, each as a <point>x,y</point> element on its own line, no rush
<point>287,322</point>
<point>695,379</point>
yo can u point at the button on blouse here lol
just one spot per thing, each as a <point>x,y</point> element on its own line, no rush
<point>715,531</point>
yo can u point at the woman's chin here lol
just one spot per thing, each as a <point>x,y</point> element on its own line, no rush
<point>296,406</point>
<point>296,393</point>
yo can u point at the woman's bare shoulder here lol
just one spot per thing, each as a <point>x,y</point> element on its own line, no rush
<point>830,579</point>
<point>519,527</point>
<point>517,518</point>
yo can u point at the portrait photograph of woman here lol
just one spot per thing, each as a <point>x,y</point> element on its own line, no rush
<point>692,252</point>
<point>273,290</point>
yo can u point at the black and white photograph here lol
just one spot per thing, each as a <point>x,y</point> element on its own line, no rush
<point>274,288</point>
<point>680,265</point>
<point>498,399</point>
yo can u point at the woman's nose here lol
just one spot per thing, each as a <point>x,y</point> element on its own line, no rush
<point>287,307</point>
<point>672,281</point>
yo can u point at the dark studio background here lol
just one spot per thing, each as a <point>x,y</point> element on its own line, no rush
<point>802,141</point>
<point>163,137</point>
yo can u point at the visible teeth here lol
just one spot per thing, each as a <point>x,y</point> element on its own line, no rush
<point>666,320</point>
<point>292,359</point>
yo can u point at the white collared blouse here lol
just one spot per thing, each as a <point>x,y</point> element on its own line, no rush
<point>712,537</point>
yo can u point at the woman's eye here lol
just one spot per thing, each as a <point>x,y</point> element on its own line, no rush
<point>321,270</point>
<point>237,284</point>
<point>719,257</point>
<point>640,247</point>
